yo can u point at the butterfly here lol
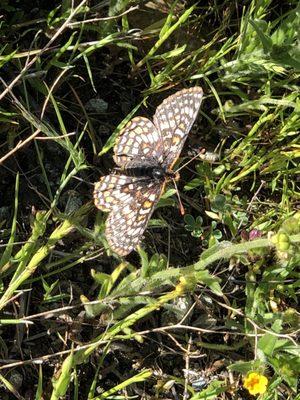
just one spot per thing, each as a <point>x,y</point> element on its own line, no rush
<point>145,153</point>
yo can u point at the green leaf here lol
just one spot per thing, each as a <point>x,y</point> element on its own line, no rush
<point>218,203</point>
<point>210,281</point>
<point>267,344</point>
<point>265,40</point>
<point>61,384</point>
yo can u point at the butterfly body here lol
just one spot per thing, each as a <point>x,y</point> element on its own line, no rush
<point>145,153</point>
<point>156,172</point>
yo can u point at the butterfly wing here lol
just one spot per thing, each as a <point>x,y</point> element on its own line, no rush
<point>139,143</point>
<point>128,219</point>
<point>174,119</point>
<point>112,190</point>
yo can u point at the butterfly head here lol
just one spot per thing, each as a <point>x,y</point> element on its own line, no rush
<point>158,173</point>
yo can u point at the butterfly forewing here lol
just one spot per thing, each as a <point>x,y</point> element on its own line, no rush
<point>126,225</point>
<point>138,143</point>
<point>174,119</point>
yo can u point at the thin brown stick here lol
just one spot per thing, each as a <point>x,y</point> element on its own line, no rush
<point>40,360</point>
<point>215,331</point>
<point>187,367</point>
<point>56,137</point>
<point>88,21</point>
<point>19,145</point>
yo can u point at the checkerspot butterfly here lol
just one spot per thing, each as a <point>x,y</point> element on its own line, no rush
<point>145,153</point>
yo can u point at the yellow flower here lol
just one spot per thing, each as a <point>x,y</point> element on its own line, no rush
<point>255,383</point>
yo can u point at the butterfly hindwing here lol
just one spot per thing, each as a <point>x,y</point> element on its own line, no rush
<point>125,225</point>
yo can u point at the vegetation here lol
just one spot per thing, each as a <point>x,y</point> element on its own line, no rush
<point>206,309</point>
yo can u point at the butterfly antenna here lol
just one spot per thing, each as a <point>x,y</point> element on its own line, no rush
<point>202,151</point>
<point>182,211</point>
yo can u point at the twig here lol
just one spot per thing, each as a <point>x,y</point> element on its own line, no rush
<point>87,21</point>
<point>187,367</point>
<point>202,330</point>
<point>19,145</point>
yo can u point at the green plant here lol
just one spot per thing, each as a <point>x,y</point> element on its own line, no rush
<point>218,286</point>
